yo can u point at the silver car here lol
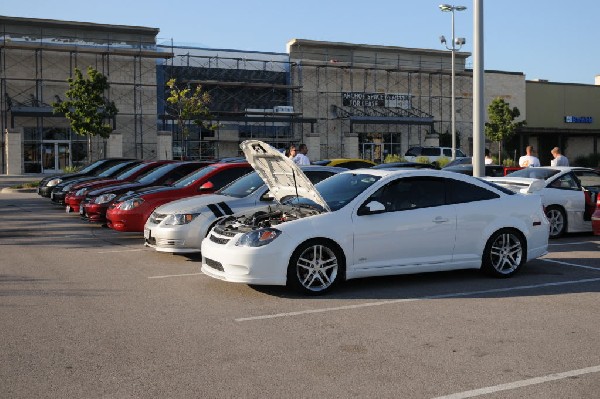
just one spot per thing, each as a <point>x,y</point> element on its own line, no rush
<point>181,225</point>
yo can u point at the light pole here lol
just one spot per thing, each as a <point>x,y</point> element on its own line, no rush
<point>456,41</point>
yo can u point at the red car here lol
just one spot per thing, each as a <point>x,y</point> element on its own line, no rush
<point>596,216</point>
<point>93,208</point>
<point>79,191</point>
<point>132,210</point>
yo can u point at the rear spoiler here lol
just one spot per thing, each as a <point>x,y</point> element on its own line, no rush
<point>518,186</point>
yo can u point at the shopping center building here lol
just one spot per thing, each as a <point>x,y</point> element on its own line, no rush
<point>341,99</point>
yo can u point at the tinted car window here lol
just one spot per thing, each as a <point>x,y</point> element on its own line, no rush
<point>413,152</point>
<point>342,188</point>
<point>430,152</point>
<point>565,182</point>
<point>243,186</point>
<point>447,152</point>
<point>411,193</point>
<point>535,173</point>
<point>460,192</point>
<point>588,178</point>
<point>226,176</point>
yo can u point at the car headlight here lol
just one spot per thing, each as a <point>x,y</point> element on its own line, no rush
<point>81,192</point>
<point>130,204</point>
<point>54,182</point>
<point>104,198</point>
<point>258,238</point>
<point>180,218</point>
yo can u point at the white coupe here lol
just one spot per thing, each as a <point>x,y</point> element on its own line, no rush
<point>568,194</point>
<point>370,222</point>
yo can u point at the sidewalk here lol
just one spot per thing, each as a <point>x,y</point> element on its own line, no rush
<point>6,181</point>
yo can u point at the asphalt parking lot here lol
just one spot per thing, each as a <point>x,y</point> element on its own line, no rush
<point>89,312</point>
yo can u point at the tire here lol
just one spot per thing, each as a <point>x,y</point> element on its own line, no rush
<point>504,253</point>
<point>315,267</point>
<point>558,221</point>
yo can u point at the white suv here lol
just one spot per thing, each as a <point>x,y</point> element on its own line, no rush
<point>433,153</point>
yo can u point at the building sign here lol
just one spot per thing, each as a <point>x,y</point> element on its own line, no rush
<point>578,119</point>
<point>389,100</point>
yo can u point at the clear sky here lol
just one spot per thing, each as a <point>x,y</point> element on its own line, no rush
<point>555,40</point>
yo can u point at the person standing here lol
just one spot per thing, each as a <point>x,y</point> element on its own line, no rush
<point>559,159</point>
<point>528,160</point>
<point>488,159</point>
<point>291,152</point>
<point>301,158</point>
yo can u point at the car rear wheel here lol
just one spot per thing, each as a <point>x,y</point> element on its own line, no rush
<point>558,221</point>
<point>314,267</point>
<point>504,253</point>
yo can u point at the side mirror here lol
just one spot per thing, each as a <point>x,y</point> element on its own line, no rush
<point>370,208</point>
<point>206,186</point>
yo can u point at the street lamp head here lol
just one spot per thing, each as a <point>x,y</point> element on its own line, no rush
<point>460,41</point>
<point>450,8</point>
<point>443,39</point>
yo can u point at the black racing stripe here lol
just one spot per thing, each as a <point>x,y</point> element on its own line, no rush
<point>225,208</point>
<point>215,209</point>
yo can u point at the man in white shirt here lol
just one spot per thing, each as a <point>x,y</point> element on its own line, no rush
<point>301,158</point>
<point>559,159</point>
<point>528,160</point>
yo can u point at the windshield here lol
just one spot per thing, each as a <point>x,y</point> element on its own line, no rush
<point>243,186</point>
<point>130,172</point>
<point>534,173</point>
<point>148,178</point>
<point>192,177</point>
<point>91,166</point>
<point>340,189</point>
<point>114,169</point>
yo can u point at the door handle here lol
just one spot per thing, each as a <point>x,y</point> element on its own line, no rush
<point>440,219</point>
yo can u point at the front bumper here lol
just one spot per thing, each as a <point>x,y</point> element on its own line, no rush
<point>93,212</point>
<point>185,238</point>
<point>45,191</point>
<point>58,197</point>
<point>265,265</point>
<point>120,220</point>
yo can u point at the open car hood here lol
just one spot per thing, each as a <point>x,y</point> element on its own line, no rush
<point>283,177</point>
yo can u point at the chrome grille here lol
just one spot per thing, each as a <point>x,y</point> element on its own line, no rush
<point>218,240</point>
<point>224,232</point>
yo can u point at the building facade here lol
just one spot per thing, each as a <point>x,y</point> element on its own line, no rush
<point>36,59</point>
<point>341,99</point>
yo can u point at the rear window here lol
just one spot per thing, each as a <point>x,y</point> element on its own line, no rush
<point>430,152</point>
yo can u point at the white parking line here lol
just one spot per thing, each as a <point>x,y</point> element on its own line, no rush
<point>122,250</point>
<point>571,264</point>
<point>572,243</point>
<point>520,384</point>
<point>396,301</point>
<point>177,275</point>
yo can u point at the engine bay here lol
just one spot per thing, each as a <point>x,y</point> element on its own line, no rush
<point>271,216</point>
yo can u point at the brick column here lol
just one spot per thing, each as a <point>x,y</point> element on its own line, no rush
<point>14,151</point>
<point>164,145</point>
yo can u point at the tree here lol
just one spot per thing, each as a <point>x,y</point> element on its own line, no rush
<point>188,105</point>
<point>501,125</point>
<point>87,109</point>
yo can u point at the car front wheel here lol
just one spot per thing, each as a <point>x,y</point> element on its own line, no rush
<point>558,221</point>
<point>504,253</point>
<point>314,267</point>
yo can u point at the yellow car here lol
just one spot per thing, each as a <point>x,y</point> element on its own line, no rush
<point>350,163</point>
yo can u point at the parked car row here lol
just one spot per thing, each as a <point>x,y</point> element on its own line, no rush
<point>332,224</point>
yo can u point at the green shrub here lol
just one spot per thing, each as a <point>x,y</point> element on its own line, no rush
<point>71,169</point>
<point>31,184</point>
<point>422,159</point>
<point>442,161</point>
<point>508,162</point>
<point>389,158</point>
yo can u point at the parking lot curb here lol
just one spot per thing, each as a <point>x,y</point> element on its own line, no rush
<point>8,190</point>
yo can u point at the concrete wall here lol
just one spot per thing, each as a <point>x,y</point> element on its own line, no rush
<point>14,151</point>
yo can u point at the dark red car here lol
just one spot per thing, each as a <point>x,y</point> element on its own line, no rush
<point>80,190</point>
<point>131,211</point>
<point>96,203</point>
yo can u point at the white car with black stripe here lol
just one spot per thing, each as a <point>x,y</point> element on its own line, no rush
<point>181,225</point>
